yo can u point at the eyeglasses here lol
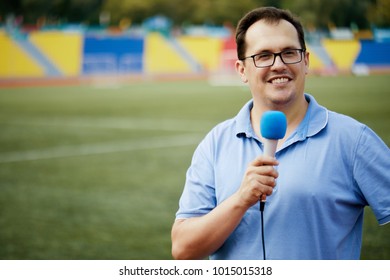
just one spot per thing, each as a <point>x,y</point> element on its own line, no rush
<point>267,59</point>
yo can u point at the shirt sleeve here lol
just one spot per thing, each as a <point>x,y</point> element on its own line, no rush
<point>198,197</point>
<point>372,173</point>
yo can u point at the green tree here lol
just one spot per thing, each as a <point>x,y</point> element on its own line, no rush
<point>340,13</point>
<point>62,10</point>
<point>314,13</point>
<point>190,11</point>
<point>379,13</point>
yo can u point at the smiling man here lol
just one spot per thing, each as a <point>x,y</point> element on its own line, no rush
<point>326,169</point>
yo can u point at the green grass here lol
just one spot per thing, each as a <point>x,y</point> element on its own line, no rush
<point>96,173</point>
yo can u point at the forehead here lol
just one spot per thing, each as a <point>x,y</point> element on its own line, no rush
<point>273,36</point>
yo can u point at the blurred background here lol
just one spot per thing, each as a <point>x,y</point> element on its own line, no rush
<point>102,103</point>
<point>70,38</point>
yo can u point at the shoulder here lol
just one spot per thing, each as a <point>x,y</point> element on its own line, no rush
<point>344,131</point>
<point>354,136</point>
<point>224,131</point>
<point>350,129</point>
<point>231,128</point>
<point>227,126</point>
<point>344,123</point>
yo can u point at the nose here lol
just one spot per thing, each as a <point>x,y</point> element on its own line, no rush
<point>278,61</point>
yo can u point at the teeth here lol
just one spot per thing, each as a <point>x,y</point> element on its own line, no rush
<point>279,80</point>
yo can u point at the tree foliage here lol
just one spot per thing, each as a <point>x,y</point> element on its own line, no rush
<point>314,13</point>
<point>72,11</point>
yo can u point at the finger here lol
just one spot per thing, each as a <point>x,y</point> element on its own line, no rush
<point>264,160</point>
<point>261,172</point>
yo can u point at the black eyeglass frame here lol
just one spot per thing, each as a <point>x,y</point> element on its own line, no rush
<point>301,51</point>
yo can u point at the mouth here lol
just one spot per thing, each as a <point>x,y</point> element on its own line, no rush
<point>279,80</point>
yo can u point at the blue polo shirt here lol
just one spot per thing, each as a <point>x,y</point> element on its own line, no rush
<point>330,168</point>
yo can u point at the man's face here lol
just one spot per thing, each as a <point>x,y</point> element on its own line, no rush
<point>281,84</point>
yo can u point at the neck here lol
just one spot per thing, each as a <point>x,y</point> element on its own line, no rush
<point>294,115</point>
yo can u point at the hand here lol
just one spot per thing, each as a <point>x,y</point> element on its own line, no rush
<point>259,180</point>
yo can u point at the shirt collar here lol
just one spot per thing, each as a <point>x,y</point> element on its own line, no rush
<point>243,121</point>
<point>315,120</point>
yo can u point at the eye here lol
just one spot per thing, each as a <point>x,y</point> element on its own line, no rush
<point>264,56</point>
<point>290,53</point>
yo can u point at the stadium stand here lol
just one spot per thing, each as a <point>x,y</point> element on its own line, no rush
<point>210,52</point>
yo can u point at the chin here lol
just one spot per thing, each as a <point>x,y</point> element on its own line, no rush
<point>280,102</point>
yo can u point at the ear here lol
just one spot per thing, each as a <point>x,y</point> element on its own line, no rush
<point>307,60</point>
<point>240,69</point>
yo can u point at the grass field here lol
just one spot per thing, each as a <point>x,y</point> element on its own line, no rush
<point>96,172</point>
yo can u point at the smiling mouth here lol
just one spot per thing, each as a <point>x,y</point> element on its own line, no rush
<point>277,81</point>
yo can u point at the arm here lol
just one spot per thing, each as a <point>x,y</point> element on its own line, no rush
<point>198,237</point>
<point>371,173</point>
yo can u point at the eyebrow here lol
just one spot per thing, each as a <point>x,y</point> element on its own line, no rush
<point>284,49</point>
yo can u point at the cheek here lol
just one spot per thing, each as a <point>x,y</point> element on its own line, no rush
<point>257,81</point>
<point>258,75</point>
<point>301,72</point>
<point>300,82</point>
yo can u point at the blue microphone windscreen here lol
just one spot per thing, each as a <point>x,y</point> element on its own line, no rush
<point>273,125</point>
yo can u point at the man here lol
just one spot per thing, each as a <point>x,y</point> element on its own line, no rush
<point>327,168</point>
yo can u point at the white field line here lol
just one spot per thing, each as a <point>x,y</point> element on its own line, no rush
<point>101,148</point>
<point>120,123</point>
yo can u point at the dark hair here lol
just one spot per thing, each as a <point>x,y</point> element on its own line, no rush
<point>270,15</point>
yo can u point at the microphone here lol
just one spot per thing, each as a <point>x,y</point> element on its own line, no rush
<point>273,126</point>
